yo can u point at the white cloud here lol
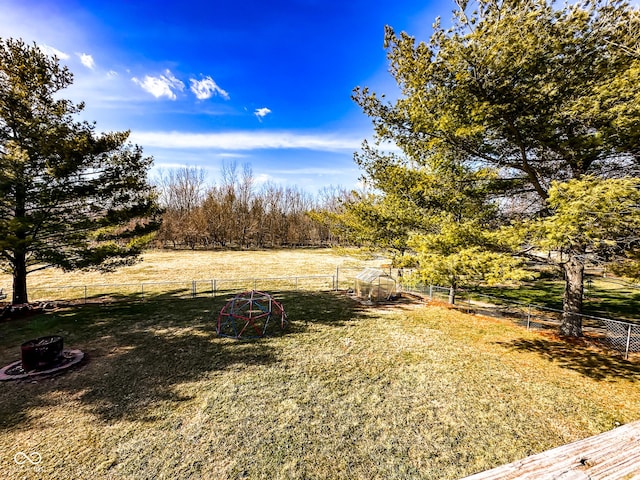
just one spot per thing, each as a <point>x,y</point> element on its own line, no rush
<point>261,112</point>
<point>112,74</point>
<point>263,178</point>
<point>87,60</point>
<point>246,140</point>
<point>308,171</point>
<point>207,88</point>
<point>161,86</point>
<point>49,50</point>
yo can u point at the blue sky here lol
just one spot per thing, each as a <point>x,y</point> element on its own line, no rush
<point>200,83</point>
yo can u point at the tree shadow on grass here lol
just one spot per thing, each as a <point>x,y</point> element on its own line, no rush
<point>617,304</point>
<point>327,308</point>
<point>579,357</point>
<point>139,352</point>
<point>544,293</point>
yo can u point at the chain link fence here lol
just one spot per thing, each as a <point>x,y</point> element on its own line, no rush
<point>340,279</point>
<point>621,336</point>
<point>624,337</point>
<point>100,293</point>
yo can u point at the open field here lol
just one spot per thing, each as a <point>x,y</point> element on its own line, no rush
<point>183,266</point>
<point>178,265</point>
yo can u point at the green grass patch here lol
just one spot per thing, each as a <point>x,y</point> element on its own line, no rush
<point>602,297</point>
<point>545,293</point>
<point>347,392</point>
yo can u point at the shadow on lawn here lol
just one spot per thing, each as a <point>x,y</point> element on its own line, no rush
<point>621,304</point>
<point>580,358</point>
<point>139,352</point>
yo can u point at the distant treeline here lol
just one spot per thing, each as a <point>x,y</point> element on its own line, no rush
<point>237,214</point>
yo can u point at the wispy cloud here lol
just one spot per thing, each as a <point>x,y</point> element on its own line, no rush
<point>87,60</point>
<point>263,178</point>
<point>161,86</point>
<point>306,178</point>
<point>246,140</point>
<point>49,50</point>
<point>207,88</point>
<point>261,112</point>
<point>310,171</point>
<point>231,155</point>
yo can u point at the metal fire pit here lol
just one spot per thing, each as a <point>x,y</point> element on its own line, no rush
<point>41,353</point>
<point>42,356</point>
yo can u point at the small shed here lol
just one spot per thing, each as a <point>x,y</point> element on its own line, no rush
<point>374,285</point>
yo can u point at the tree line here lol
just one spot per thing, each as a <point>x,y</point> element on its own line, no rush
<point>234,212</point>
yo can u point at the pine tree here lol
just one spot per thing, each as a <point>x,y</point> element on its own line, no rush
<point>69,197</point>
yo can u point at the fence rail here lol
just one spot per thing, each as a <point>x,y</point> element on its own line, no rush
<point>621,336</point>
<point>179,289</point>
<point>340,279</point>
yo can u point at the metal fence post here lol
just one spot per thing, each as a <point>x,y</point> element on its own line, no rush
<point>529,318</point>
<point>85,294</point>
<point>215,285</point>
<point>193,289</point>
<point>626,352</point>
<point>142,291</point>
<point>337,280</point>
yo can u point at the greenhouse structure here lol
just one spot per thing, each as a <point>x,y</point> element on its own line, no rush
<point>374,285</point>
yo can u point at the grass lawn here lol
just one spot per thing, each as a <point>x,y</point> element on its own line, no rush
<point>602,297</point>
<point>348,392</point>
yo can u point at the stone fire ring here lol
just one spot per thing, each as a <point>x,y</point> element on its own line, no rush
<point>14,370</point>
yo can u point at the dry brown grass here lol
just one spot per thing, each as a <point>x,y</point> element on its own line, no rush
<point>184,266</point>
<point>348,392</point>
<point>178,265</point>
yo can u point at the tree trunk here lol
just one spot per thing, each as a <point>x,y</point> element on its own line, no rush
<point>572,301</point>
<point>19,279</point>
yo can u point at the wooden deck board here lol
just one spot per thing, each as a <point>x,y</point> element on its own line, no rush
<point>612,455</point>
